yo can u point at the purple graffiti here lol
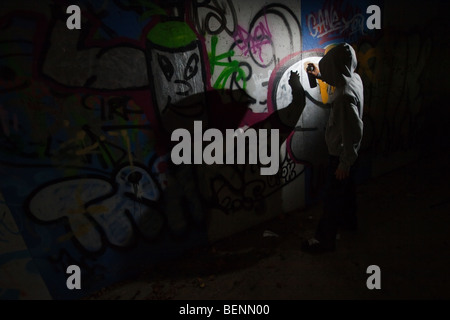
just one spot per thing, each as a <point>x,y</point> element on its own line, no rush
<point>253,42</point>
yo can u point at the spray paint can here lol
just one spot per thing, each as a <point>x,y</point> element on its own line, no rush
<point>311,77</point>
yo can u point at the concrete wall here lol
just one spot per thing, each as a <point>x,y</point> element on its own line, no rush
<point>86,117</point>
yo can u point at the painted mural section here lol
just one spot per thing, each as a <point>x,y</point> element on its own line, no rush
<point>84,172</point>
<point>86,118</point>
<point>245,43</point>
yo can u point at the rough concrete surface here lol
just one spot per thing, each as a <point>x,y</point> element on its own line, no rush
<point>404,220</point>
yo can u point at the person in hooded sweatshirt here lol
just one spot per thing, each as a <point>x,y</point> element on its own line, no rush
<point>343,138</point>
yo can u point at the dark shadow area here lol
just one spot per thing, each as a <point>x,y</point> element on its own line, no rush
<point>404,219</point>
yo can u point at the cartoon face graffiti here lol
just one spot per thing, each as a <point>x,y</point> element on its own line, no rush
<point>178,75</point>
<point>182,78</point>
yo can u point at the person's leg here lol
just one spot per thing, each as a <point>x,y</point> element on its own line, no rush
<point>349,219</point>
<point>325,236</point>
<point>332,207</point>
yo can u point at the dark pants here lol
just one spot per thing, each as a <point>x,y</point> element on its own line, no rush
<point>339,208</point>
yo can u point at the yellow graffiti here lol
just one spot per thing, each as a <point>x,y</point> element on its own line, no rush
<point>79,141</point>
<point>80,231</point>
<point>126,139</point>
<point>80,205</point>
<point>85,228</point>
<point>87,150</point>
<point>363,60</point>
<point>325,91</point>
<point>128,144</point>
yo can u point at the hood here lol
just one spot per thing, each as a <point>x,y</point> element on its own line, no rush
<point>337,66</point>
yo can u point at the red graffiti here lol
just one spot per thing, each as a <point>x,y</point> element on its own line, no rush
<point>333,22</point>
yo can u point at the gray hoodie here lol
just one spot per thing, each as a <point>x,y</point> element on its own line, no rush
<point>345,127</point>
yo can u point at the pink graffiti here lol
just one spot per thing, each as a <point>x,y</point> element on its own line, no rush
<point>331,22</point>
<point>253,42</point>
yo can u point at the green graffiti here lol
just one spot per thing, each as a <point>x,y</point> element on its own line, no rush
<point>231,68</point>
<point>172,34</point>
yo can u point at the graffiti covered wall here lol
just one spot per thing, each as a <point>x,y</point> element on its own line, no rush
<point>86,117</point>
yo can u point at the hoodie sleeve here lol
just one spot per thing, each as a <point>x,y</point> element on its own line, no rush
<point>351,131</point>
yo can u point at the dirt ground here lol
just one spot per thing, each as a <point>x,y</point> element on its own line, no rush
<point>404,229</point>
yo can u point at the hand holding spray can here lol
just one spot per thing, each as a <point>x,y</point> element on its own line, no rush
<point>311,77</point>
